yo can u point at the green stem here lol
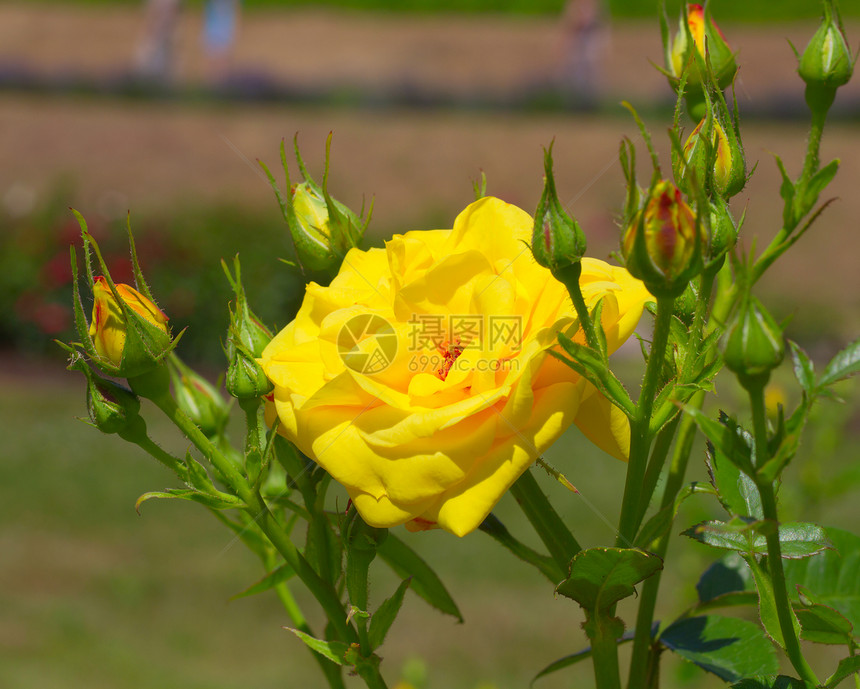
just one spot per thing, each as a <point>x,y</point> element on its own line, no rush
<point>552,530</point>
<point>655,465</point>
<point>570,278</point>
<point>640,436</point>
<point>136,434</point>
<point>813,147</point>
<point>259,511</point>
<point>774,550</point>
<point>639,660</point>
<point>811,164</point>
<point>370,674</point>
<point>604,656</point>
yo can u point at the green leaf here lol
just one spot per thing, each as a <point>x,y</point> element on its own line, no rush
<point>657,526</point>
<point>846,668</point>
<point>335,651</point>
<point>425,582</point>
<point>197,476</point>
<point>544,564</point>
<point>591,366</point>
<point>846,363</point>
<point>822,624</point>
<point>729,574</point>
<point>728,647</point>
<point>600,577</point>
<point>818,182</point>
<point>383,618</point>
<point>726,437</point>
<point>323,548</point>
<point>804,371</point>
<point>797,539</point>
<point>771,682</point>
<point>732,535</point>
<point>736,491</point>
<point>219,501</point>
<point>786,191</point>
<point>833,576</point>
<point>272,579</point>
<point>573,659</point>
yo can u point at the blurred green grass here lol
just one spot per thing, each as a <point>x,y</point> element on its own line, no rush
<point>95,595</point>
<point>726,10</point>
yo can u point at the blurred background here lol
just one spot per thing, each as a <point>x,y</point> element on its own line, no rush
<point>161,109</point>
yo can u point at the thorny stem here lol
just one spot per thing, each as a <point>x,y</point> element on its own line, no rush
<point>774,550</point>
<point>640,436</point>
<point>266,521</point>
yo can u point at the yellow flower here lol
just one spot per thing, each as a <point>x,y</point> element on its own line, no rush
<point>420,379</point>
<point>108,328</point>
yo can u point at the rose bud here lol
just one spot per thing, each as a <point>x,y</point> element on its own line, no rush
<point>663,243</point>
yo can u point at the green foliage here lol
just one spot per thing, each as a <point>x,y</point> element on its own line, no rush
<point>832,577</point>
<point>728,647</point>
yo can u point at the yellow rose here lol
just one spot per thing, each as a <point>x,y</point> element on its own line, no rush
<point>420,380</point>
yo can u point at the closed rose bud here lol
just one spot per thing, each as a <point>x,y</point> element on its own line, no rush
<point>112,408</point>
<point>663,243</point>
<point>754,344</point>
<point>199,399</point>
<point>557,240</point>
<point>696,154</point>
<point>245,378</point>
<point>704,32</point>
<point>724,230</point>
<point>826,64</point>
<point>323,229</point>
<point>130,342</point>
<point>311,233</point>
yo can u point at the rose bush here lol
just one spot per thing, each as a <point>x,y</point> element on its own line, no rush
<point>423,419</point>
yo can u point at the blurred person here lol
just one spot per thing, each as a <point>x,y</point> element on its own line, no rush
<point>155,56</point>
<point>584,40</point>
<point>155,50</point>
<point>219,34</point>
